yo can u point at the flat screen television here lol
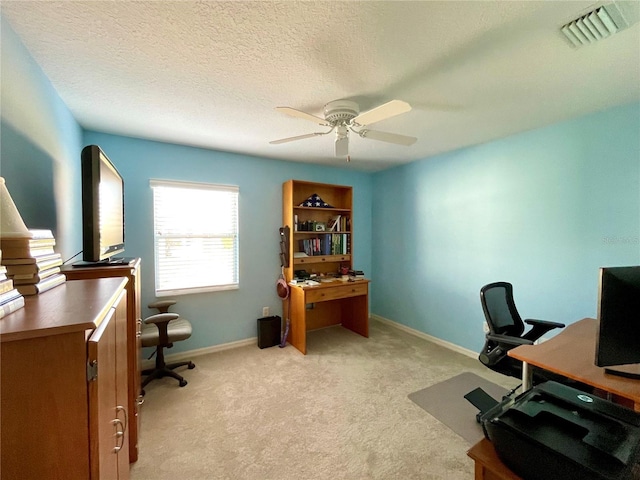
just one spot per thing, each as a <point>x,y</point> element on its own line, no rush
<point>102,209</point>
<point>618,339</point>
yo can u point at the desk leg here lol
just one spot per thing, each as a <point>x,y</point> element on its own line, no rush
<point>297,315</point>
<point>527,377</point>
<point>355,314</point>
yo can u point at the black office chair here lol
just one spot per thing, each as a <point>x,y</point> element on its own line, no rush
<point>506,331</point>
<point>161,331</point>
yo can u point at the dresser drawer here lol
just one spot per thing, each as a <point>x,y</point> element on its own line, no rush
<point>333,293</point>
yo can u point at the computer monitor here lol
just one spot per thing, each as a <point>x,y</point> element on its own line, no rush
<point>618,340</point>
<point>102,208</point>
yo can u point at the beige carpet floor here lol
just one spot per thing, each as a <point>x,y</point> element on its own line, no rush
<point>340,412</point>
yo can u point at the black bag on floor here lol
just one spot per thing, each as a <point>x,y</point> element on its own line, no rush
<point>269,331</point>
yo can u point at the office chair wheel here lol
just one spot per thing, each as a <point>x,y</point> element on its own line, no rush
<point>183,383</point>
<point>191,366</point>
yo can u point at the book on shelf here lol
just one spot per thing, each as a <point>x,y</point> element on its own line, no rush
<point>12,242</point>
<point>9,253</point>
<point>11,306</point>
<point>3,272</point>
<point>42,286</point>
<point>15,247</point>
<point>10,295</point>
<point>33,268</point>
<point>6,285</point>
<point>41,233</point>
<point>31,260</point>
<point>333,224</point>
<point>27,278</point>
<point>35,234</point>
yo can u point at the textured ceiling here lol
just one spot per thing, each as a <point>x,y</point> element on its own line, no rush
<point>210,74</point>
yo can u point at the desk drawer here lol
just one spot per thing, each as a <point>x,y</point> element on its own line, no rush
<point>333,293</point>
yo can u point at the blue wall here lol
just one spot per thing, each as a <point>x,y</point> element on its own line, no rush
<point>543,210</point>
<point>225,316</point>
<point>40,143</point>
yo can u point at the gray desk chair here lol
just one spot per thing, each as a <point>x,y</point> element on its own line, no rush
<point>161,331</point>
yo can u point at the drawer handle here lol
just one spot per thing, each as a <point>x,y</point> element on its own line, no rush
<point>119,434</point>
<point>119,409</point>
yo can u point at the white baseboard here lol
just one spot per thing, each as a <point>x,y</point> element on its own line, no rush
<point>191,354</point>
<point>418,333</point>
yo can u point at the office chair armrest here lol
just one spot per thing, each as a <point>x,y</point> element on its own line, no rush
<point>539,328</point>
<point>507,340</point>
<point>162,305</point>
<point>544,323</point>
<point>161,318</point>
<point>497,346</point>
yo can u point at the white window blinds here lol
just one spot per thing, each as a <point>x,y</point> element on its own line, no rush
<point>195,237</point>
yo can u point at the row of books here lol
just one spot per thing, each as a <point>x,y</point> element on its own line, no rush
<point>326,244</point>
<point>31,263</point>
<point>336,223</point>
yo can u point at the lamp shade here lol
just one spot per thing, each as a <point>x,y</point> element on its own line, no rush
<point>11,223</point>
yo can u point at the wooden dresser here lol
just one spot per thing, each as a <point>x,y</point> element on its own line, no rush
<point>134,327</point>
<point>63,386</point>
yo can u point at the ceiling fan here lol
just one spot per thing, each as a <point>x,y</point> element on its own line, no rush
<point>344,116</point>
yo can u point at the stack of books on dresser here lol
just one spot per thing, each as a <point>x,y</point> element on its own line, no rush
<point>10,298</point>
<point>31,263</point>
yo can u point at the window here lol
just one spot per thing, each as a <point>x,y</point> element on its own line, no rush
<point>195,237</point>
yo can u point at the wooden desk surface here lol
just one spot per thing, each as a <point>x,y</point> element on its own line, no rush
<point>70,307</point>
<point>487,464</point>
<point>571,353</point>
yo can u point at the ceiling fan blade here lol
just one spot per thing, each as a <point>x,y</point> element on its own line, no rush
<point>300,114</point>
<point>384,111</point>
<point>388,137</point>
<point>342,146</point>
<point>293,139</point>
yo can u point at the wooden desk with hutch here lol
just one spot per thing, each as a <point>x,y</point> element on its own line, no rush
<point>330,303</point>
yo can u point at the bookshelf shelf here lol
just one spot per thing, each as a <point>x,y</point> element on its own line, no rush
<point>328,248</point>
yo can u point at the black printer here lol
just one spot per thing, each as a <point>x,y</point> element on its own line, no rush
<point>555,432</point>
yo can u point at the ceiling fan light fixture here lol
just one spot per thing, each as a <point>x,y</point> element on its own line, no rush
<point>342,142</point>
<point>344,115</point>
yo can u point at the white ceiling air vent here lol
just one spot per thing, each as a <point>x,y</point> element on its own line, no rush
<point>596,25</point>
